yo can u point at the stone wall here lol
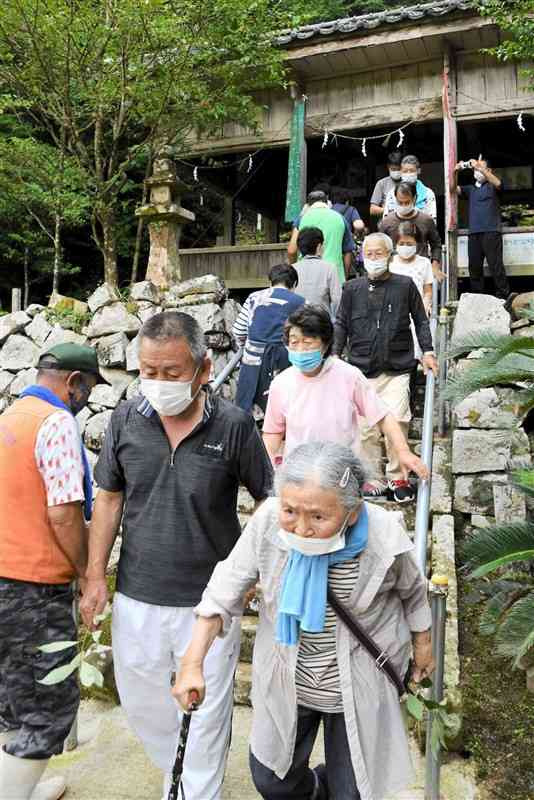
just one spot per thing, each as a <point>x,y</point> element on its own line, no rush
<point>487,438</point>
<point>113,330</point>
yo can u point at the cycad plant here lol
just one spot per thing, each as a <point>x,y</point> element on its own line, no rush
<point>505,551</point>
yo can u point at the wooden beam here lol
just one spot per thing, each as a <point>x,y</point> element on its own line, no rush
<point>393,114</point>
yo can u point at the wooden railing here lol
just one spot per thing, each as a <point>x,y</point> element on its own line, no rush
<point>242,267</point>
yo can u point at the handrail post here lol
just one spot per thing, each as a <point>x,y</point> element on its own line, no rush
<point>227,371</point>
<point>438,601</point>
<point>423,490</point>
<point>443,337</point>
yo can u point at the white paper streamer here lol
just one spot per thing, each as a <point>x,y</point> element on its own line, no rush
<point>520,122</point>
<point>401,138</point>
<point>201,199</point>
<point>364,151</point>
<point>249,164</point>
<point>195,174</point>
<point>325,140</point>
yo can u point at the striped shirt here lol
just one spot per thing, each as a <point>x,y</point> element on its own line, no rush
<point>317,673</point>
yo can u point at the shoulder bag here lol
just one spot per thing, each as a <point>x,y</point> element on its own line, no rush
<point>380,657</point>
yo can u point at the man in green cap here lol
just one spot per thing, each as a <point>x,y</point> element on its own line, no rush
<point>45,492</point>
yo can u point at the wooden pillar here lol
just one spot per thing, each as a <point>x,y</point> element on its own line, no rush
<point>297,161</point>
<point>450,158</point>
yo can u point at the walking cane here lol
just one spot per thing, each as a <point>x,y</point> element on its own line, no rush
<point>178,768</point>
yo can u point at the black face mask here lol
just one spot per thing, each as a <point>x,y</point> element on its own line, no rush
<point>77,404</point>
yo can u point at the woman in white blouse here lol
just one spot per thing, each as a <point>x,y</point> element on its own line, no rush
<point>307,668</point>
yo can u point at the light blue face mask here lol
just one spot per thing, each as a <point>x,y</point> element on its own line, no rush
<point>306,361</point>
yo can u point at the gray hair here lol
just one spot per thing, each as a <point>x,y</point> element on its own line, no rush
<point>380,237</point>
<point>412,161</point>
<point>330,465</point>
<point>176,325</point>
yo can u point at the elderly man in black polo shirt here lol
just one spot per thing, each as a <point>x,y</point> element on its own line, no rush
<point>170,468</point>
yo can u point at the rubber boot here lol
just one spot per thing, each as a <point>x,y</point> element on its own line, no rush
<point>19,779</point>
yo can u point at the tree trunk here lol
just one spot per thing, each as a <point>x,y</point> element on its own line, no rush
<point>26,278</point>
<point>57,255</point>
<point>109,246</point>
<point>140,224</point>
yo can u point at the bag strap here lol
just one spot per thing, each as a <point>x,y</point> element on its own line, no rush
<point>380,657</point>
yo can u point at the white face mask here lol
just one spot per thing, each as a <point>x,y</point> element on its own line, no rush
<point>406,251</point>
<point>479,176</point>
<point>309,546</point>
<point>395,174</point>
<point>375,268</point>
<point>410,178</point>
<point>169,398</point>
<point>405,211</point>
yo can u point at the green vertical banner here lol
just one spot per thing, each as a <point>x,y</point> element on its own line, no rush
<point>296,169</point>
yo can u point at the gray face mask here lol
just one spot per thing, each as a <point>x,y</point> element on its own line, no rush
<point>411,178</point>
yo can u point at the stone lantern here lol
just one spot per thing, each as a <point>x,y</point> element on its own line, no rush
<point>165,217</point>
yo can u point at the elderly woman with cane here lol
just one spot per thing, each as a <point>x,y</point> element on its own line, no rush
<point>322,555</point>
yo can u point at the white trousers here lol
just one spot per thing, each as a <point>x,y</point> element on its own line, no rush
<point>394,390</point>
<point>148,642</point>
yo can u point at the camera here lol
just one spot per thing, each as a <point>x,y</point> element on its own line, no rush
<point>466,164</point>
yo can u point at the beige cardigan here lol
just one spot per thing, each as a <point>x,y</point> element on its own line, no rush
<point>389,600</point>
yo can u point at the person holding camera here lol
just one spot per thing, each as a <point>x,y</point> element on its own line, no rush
<point>484,215</point>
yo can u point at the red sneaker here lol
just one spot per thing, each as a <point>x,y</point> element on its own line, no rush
<point>402,491</point>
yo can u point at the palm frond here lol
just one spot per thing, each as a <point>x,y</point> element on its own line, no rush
<point>497,345</point>
<point>494,547</point>
<point>494,611</point>
<point>515,636</point>
<point>460,386</point>
<point>527,312</point>
<point>523,479</point>
<point>476,341</point>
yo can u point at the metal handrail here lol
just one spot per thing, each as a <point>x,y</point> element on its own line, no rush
<point>438,593</point>
<point>423,491</point>
<point>225,373</point>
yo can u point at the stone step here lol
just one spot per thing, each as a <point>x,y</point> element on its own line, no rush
<point>249,626</point>
<point>242,684</point>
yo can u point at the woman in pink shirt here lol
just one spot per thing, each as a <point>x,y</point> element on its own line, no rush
<point>320,397</point>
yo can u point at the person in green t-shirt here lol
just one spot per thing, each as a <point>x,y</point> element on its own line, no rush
<point>338,242</point>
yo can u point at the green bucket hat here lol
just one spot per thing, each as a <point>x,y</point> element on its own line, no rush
<point>72,357</point>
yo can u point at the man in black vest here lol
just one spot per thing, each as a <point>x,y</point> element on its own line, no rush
<point>374,316</point>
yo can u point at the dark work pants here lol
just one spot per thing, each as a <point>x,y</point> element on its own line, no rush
<point>33,614</point>
<point>490,246</point>
<point>300,783</point>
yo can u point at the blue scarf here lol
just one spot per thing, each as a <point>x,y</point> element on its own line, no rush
<point>422,192</point>
<point>49,397</point>
<point>304,584</point>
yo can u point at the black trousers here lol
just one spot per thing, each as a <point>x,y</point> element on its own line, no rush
<point>487,245</point>
<point>33,614</point>
<point>300,783</point>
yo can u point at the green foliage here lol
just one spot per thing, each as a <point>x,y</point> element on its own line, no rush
<point>67,318</point>
<point>516,19</point>
<point>308,11</point>
<point>109,81</point>
<point>89,660</point>
<point>509,611</point>
<point>507,361</point>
